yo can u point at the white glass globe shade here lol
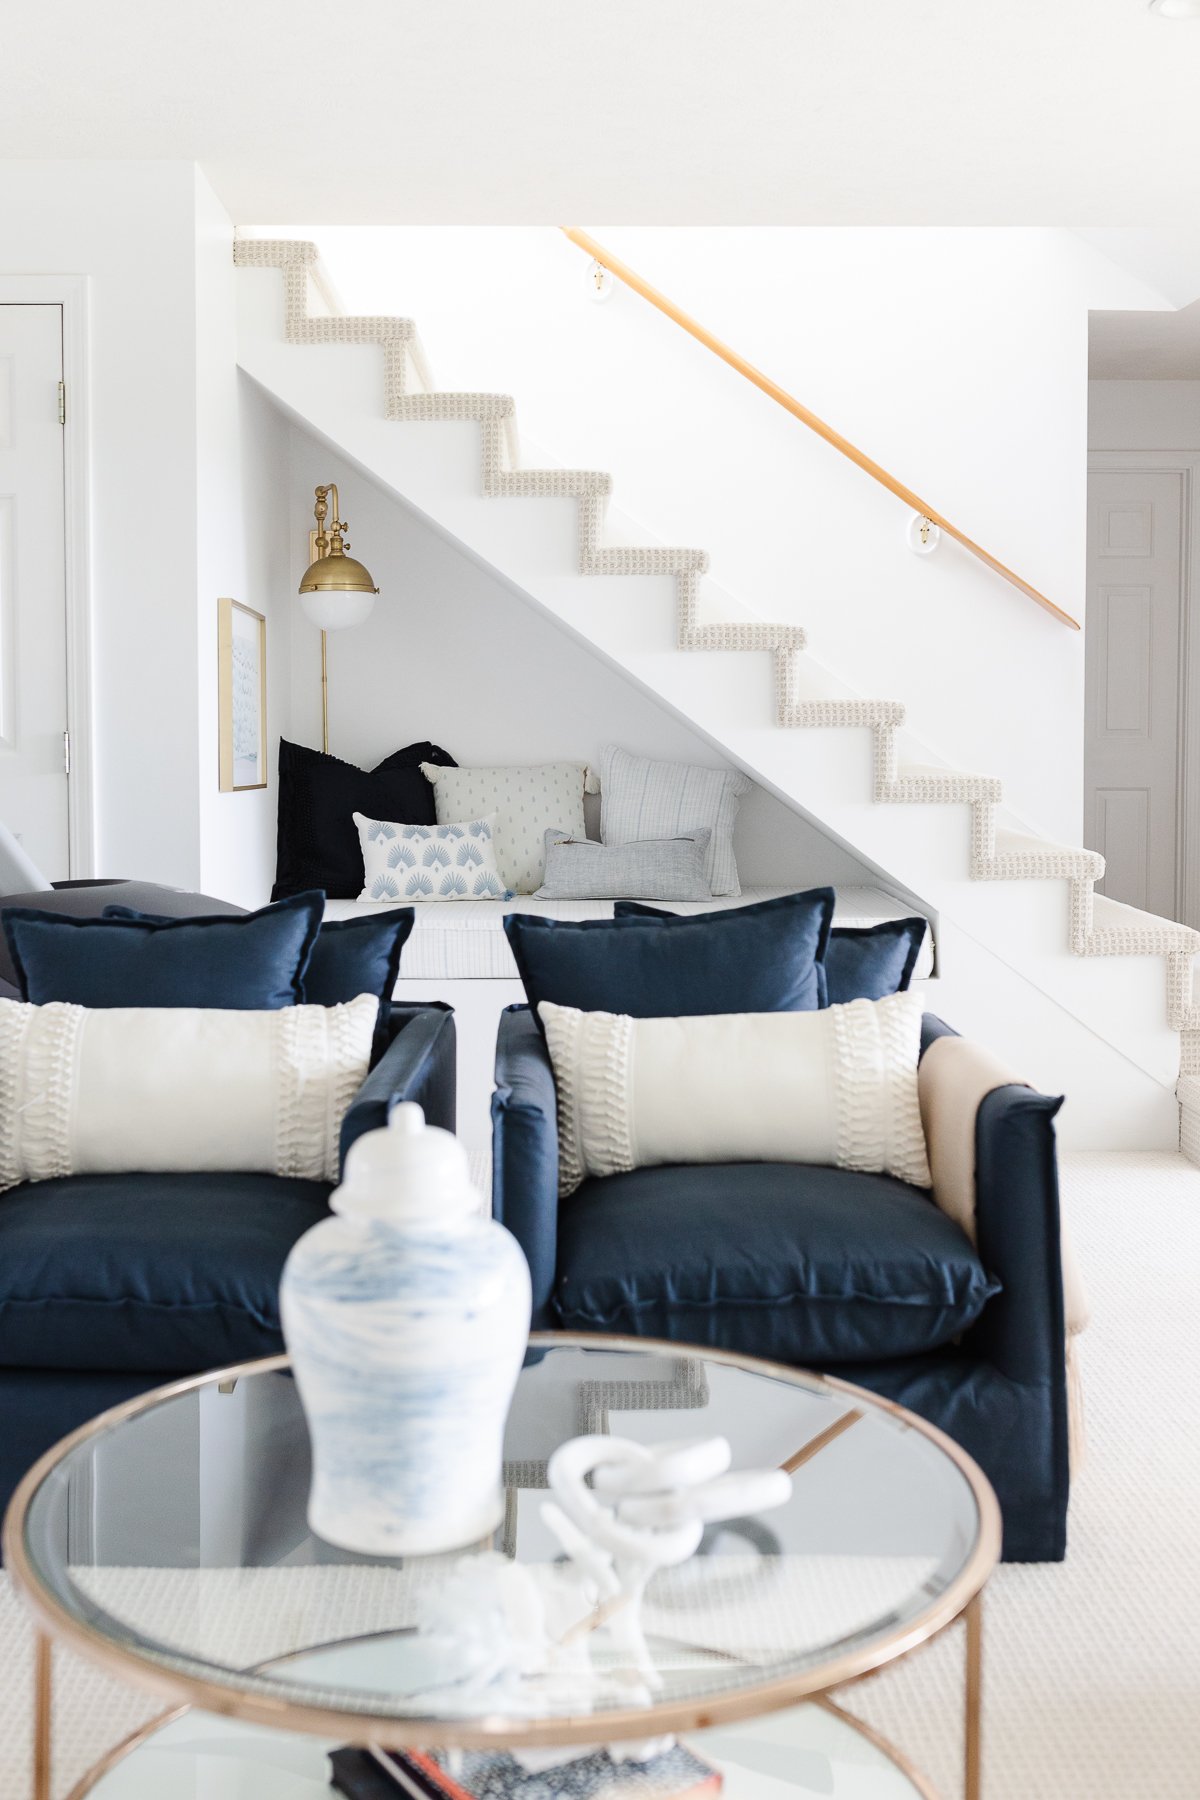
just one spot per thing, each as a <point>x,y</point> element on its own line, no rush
<point>334,611</point>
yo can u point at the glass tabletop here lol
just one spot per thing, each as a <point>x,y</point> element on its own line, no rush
<point>170,1541</point>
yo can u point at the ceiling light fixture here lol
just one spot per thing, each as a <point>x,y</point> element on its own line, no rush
<point>1176,9</point>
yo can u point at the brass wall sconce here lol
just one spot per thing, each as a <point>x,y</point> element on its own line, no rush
<point>336,590</point>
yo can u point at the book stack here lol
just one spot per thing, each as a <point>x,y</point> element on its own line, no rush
<point>673,1774</point>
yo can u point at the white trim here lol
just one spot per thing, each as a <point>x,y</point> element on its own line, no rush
<point>1185,464</point>
<point>71,293</point>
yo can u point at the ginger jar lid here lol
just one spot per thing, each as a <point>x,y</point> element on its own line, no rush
<point>408,1171</point>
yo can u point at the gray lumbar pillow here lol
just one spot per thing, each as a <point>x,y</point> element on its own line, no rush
<point>649,869</point>
<point>19,874</point>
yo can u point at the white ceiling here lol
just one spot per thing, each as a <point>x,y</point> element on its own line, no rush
<point>1080,112</point>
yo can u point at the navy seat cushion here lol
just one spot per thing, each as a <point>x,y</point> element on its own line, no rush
<point>317,844</point>
<point>251,962</point>
<point>158,1272</point>
<point>755,959</point>
<point>808,1266</point>
<point>861,962</point>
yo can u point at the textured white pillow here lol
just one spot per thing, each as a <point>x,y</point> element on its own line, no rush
<point>408,863</point>
<point>640,798</point>
<point>837,1087</point>
<point>100,1092</point>
<point>525,802</point>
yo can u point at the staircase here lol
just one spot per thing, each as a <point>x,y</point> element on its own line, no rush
<point>1022,933</point>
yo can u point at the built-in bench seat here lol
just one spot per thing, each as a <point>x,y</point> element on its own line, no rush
<point>458,953</point>
<point>463,940</point>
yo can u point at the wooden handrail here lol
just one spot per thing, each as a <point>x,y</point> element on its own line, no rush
<point>772,389</point>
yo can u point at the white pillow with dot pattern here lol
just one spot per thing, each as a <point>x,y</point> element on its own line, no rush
<point>411,863</point>
<point>525,801</point>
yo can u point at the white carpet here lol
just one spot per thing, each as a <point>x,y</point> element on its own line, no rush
<point>1092,1673</point>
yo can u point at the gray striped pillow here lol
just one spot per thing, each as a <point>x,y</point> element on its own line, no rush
<point>663,869</point>
<point>641,799</point>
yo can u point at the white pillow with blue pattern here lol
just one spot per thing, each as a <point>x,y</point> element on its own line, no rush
<point>407,863</point>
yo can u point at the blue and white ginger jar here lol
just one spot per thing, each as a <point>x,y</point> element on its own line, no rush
<point>407,1318</point>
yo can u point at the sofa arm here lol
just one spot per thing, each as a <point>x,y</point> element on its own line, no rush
<point>993,1159</point>
<point>525,1152</point>
<point>933,1028</point>
<point>418,1064</point>
<point>1022,1330</point>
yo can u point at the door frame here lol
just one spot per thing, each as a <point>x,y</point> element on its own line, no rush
<point>1185,464</point>
<point>71,293</point>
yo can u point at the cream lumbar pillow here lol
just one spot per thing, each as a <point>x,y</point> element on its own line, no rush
<point>94,1092</point>
<point>837,1087</point>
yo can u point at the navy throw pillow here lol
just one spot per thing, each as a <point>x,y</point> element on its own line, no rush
<point>252,962</point>
<point>861,962</point>
<point>761,958</point>
<point>350,957</point>
<point>317,845</point>
<point>869,962</point>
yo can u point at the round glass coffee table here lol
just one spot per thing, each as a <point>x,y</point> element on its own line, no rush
<point>167,1542</point>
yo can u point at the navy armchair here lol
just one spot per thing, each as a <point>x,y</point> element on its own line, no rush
<point>113,1284</point>
<point>857,1275</point>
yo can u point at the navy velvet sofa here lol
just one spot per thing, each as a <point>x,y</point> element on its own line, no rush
<point>113,1284</point>
<point>857,1275</point>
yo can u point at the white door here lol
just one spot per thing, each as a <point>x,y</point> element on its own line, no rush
<point>1134,620</point>
<point>33,629</point>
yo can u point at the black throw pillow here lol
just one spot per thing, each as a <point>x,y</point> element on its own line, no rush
<point>318,794</point>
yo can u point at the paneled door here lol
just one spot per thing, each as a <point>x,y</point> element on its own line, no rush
<point>1134,661</point>
<point>33,629</point>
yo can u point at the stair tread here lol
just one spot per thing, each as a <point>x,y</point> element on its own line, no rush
<point>937,774</point>
<point>1027,842</point>
<point>924,770</point>
<point>1116,915</point>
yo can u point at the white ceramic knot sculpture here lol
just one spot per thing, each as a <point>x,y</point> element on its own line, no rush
<point>646,1509</point>
<point>497,1635</point>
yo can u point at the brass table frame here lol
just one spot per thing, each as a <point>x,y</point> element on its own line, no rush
<point>963,1598</point>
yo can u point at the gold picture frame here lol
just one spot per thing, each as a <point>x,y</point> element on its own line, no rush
<point>241,696</point>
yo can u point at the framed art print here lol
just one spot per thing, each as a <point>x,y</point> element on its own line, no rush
<point>241,696</point>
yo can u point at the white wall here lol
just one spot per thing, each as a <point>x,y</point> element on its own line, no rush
<point>242,551</point>
<point>129,227</point>
<point>1144,415</point>
<point>957,357</point>
<point>451,653</point>
<point>187,491</point>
